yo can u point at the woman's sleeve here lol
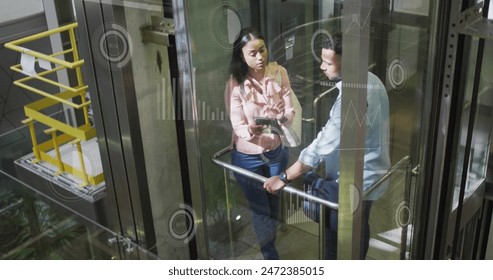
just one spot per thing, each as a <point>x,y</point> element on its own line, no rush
<point>237,116</point>
<point>286,91</point>
<point>230,84</point>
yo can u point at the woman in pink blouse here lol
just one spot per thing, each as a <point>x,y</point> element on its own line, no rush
<point>258,88</point>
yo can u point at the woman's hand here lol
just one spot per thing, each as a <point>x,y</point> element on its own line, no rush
<point>276,110</point>
<point>282,120</point>
<point>280,106</point>
<point>255,129</point>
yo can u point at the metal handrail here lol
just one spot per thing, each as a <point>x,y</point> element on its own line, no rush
<point>405,160</point>
<point>302,194</point>
<point>262,179</point>
<point>315,103</point>
<point>15,46</point>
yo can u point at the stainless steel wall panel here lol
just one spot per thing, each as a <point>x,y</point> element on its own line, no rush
<point>90,18</point>
<point>153,95</point>
<point>135,110</point>
<point>190,121</point>
<point>130,134</point>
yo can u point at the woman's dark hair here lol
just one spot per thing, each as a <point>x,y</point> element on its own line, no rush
<point>334,44</point>
<point>238,68</point>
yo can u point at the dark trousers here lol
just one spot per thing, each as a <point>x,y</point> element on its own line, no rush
<point>264,207</point>
<point>329,190</point>
<point>331,219</point>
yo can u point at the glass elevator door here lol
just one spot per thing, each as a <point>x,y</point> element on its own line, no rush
<point>469,131</point>
<point>391,39</point>
<point>157,73</point>
<point>131,71</point>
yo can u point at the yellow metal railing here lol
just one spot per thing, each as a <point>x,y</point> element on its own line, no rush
<point>15,45</point>
<point>61,133</point>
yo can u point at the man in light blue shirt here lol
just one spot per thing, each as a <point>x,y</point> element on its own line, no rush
<point>326,147</point>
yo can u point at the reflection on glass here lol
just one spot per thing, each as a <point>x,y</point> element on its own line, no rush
<point>17,143</point>
<point>490,12</point>
<point>399,40</point>
<point>480,145</point>
<point>150,84</point>
<point>34,227</point>
<point>418,7</point>
<point>13,9</point>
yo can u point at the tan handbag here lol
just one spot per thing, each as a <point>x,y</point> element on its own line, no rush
<point>292,134</point>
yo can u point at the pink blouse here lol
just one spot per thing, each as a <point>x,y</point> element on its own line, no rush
<point>264,99</point>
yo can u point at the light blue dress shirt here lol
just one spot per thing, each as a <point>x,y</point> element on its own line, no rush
<point>326,146</point>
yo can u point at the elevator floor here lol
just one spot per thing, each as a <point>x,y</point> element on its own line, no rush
<point>300,241</point>
<point>292,243</point>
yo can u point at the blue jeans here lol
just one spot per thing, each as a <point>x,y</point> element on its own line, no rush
<point>264,206</point>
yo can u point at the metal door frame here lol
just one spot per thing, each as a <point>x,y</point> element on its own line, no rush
<point>433,238</point>
<point>352,223</point>
<point>118,129</point>
<point>188,116</point>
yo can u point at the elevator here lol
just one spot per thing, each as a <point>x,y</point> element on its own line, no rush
<point>156,72</point>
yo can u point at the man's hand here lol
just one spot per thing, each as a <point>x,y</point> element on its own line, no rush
<point>274,184</point>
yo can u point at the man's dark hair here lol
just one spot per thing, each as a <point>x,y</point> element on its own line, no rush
<point>334,44</point>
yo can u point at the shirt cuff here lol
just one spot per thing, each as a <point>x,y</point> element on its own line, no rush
<point>309,159</point>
